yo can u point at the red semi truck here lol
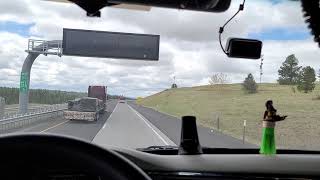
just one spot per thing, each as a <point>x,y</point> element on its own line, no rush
<point>99,92</point>
<point>88,108</point>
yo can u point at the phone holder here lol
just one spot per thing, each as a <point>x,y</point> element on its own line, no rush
<point>189,143</point>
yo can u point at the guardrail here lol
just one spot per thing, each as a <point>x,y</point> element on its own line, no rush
<point>21,120</point>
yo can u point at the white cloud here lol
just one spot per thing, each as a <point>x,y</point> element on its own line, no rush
<point>189,48</point>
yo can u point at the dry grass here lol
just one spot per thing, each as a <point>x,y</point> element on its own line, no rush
<point>300,131</point>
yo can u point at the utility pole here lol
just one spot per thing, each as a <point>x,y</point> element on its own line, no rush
<point>261,63</point>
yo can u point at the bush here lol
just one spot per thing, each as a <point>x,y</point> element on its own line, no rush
<point>174,85</point>
<point>249,84</point>
<point>218,78</point>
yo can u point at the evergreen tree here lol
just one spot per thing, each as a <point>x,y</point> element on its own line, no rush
<point>249,84</point>
<point>289,71</point>
<point>307,78</point>
<point>41,96</point>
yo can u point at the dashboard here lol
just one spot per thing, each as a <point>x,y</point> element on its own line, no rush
<point>226,166</point>
<point>51,157</point>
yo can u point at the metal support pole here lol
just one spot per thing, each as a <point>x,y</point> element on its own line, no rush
<point>218,123</point>
<point>25,82</point>
<point>33,52</point>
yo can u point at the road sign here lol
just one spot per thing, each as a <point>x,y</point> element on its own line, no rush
<point>24,82</point>
<point>89,43</point>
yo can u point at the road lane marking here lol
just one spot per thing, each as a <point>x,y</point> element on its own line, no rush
<point>105,122</point>
<point>54,126</point>
<point>109,117</point>
<point>148,124</point>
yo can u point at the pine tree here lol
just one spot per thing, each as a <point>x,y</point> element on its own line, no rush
<point>307,78</point>
<point>289,71</point>
<point>249,84</point>
<point>42,96</point>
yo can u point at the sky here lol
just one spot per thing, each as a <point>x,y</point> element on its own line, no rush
<point>189,46</point>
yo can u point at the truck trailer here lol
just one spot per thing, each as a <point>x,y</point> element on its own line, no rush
<point>88,108</point>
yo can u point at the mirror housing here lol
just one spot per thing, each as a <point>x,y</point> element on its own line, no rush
<point>243,48</point>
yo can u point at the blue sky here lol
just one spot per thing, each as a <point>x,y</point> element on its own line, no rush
<point>281,34</point>
<point>184,54</point>
<point>276,1</point>
<point>17,28</point>
<point>288,33</point>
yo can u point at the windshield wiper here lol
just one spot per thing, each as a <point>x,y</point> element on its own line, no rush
<point>154,148</point>
<point>173,150</point>
<point>160,150</point>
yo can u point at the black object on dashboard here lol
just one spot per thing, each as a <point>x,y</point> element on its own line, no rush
<point>189,143</point>
<point>244,48</point>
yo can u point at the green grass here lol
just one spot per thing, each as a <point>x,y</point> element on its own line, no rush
<point>300,131</point>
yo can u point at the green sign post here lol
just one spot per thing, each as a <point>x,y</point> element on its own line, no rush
<point>24,82</point>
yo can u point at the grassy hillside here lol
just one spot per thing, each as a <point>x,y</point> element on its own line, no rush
<point>301,130</point>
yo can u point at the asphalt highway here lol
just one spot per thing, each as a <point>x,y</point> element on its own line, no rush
<point>79,129</point>
<point>127,128</point>
<point>128,125</point>
<point>171,126</point>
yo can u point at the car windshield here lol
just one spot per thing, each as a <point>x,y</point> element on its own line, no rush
<point>139,102</point>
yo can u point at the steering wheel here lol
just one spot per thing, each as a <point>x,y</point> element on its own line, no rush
<point>40,156</point>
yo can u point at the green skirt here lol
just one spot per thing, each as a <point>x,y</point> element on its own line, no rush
<point>268,144</point>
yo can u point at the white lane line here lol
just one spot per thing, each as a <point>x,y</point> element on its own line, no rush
<point>105,122</point>
<point>54,126</point>
<point>148,124</point>
<point>109,116</point>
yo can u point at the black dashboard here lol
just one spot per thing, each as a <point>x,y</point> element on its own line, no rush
<point>50,157</point>
<point>226,166</point>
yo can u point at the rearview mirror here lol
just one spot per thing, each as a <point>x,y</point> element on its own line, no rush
<point>244,48</point>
